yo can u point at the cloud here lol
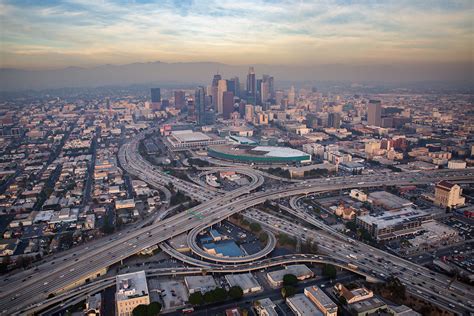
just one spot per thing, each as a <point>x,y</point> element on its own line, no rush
<point>88,32</point>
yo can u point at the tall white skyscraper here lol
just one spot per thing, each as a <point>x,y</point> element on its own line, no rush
<point>221,88</point>
<point>291,96</point>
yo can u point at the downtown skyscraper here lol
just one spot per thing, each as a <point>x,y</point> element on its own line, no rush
<point>251,86</point>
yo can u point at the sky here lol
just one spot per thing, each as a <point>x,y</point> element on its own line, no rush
<point>50,34</point>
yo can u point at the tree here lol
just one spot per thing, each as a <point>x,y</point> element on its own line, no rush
<point>236,292</point>
<point>255,227</point>
<point>329,271</point>
<point>196,298</point>
<point>140,310</point>
<point>216,295</point>
<point>288,291</point>
<point>220,294</point>
<point>290,280</point>
<point>154,309</point>
<point>396,288</point>
<point>263,237</point>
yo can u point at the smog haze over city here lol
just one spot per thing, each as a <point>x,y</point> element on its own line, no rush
<point>264,157</point>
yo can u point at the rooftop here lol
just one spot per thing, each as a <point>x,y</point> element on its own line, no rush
<point>303,305</point>
<point>387,219</point>
<point>299,270</point>
<point>320,296</point>
<point>187,136</point>
<point>244,280</point>
<point>131,285</point>
<point>367,305</point>
<point>198,282</point>
<point>389,200</point>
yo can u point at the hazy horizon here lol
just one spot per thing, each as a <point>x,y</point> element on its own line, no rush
<point>82,43</point>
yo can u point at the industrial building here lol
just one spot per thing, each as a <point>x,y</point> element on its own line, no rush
<point>246,281</point>
<point>388,200</point>
<point>188,139</point>
<point>132,290</point>
<point>322,301</point>
<point>301,305</point>
<point>301,271</point>
<point>200,283</point>
<point>393,224</point>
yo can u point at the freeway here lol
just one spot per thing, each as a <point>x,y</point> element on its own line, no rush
<point>191,241</point>
<point>103,283</point>
<point>66,274</point>
<point>418,280</point>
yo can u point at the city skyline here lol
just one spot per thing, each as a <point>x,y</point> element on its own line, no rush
<point>82,33</point>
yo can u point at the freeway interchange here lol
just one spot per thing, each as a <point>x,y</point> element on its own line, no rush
<point>27,291</point>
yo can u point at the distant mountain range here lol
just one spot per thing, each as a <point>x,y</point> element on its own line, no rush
<point>202,72</point>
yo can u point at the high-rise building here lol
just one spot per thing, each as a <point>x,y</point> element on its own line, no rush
<point>292,96</point>
<point>233,85</point>
<point>279,95</point>
<point>227,104</point>
<point>221,88</point>
<point>265,90</point>
<point>334,120</point>
<point>200,104</point>
<point>155,95</point>
<point>374,113</point>
<point>156,99</point>
<point>214,92</point>
<point>249,113</point>
<point>251,86</point>
<point>271,87</point>
<point>191,116</point>
<point>258,91</point>
<point>179,99</point>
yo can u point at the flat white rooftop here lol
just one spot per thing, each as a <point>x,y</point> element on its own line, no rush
<point>187,136</point>
<point>273,151</point>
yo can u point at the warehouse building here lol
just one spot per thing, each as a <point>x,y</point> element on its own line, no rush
<point>301,305</point>
<point>301,271</point>
<point>188,139</point>
<point>246,281</point>
<point>200,283</point>
<point>322,301</point>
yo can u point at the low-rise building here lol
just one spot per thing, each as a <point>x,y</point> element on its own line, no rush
<point>359,195</point>
<point>367,307</point>
<point>322,301</point>
<point>393,224</point>
<point>354,295</point>
<point>200,283</point>
<point>93,305</point>
<point>265,307</point>
<point>301,305</point>
<point>132,290</point>
<point>301,271</point>
<point>124,204</point>
<point>388,200</point>
<point>448,194</point>
<point>246,281</point>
